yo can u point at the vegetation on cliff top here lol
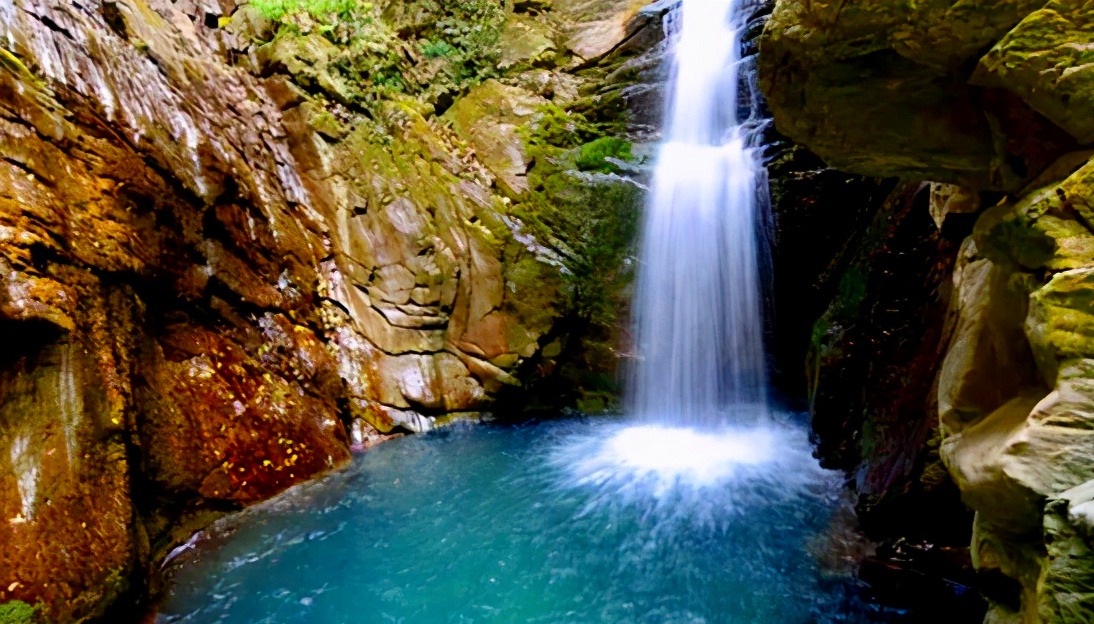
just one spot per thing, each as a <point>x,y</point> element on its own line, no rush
<point>426,49</point>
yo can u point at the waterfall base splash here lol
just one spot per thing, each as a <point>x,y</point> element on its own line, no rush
<point>693,475</point>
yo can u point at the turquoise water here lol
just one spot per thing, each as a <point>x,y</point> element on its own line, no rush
<point>574,521</point>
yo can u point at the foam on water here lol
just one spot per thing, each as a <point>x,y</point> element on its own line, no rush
<point>729,468</point>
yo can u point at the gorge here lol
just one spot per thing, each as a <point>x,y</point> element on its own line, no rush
<point>701,512</point>
<point>242,243</point>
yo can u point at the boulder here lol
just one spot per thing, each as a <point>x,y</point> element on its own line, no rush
<point>988,361</point>
<point>524,41</point>
<point>1045,227</point>
<point>1066,587</point>
<point>1048,60</point>
<point>982,97</point>
<point>979,457</point>
<point>597,27</point>
<point>824,68</point>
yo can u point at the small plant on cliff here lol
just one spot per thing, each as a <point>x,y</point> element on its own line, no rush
<point>435,49</point>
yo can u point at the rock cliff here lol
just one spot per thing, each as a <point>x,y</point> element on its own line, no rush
<point>994,104</point>
<point>237,239</point>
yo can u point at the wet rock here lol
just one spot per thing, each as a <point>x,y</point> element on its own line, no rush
<point>902,573</point>
<point>235,425</point>
<point>243,253</point>
<point>65,478</point>
<point>870,369</point>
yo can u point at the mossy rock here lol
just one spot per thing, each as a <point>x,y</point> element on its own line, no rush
<point>489,119</point>
<point>937,34</point>
<point>250,24</point>
<point>1061,321</point>
<point>1047,228</point>
<point>1048,60</point>
<point>1066,588</point>
<point>307,58</point>
<point>524,41</point>
<point>873,87</point>
<point>600,154</point>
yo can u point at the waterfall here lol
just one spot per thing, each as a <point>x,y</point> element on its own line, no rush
<point>698,305</point>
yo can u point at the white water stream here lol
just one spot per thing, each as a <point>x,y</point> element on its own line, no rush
<point>699,387</point>
<point>698,311</point>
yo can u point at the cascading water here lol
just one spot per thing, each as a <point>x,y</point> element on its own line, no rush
<point>698,311</point>
<point>699,388</point>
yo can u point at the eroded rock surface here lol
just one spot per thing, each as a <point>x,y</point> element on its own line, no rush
<point>234,244</point>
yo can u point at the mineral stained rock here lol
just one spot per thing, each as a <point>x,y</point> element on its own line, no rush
<point>233,244</point>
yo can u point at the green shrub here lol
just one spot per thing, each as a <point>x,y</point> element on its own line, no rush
<point>434,49</point>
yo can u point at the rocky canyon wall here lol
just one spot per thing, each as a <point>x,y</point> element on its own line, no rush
<point>237,240</point>
<point>993,103</point>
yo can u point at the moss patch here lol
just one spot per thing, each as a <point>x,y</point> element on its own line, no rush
<point>600,154</point>
<point>18,612</point>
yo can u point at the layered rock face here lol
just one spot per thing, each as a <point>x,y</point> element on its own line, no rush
<point>235,242</point>
<point>993,103</point>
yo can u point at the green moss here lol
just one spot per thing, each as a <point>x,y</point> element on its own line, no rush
<point>595,156</point>
<point>591,221</point>
<point>852,290</point>
<point>555,129</point>
<point>18,612</point>
<point>1046,60</point>
<point>319,9</point>
<point>1060,324</point>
